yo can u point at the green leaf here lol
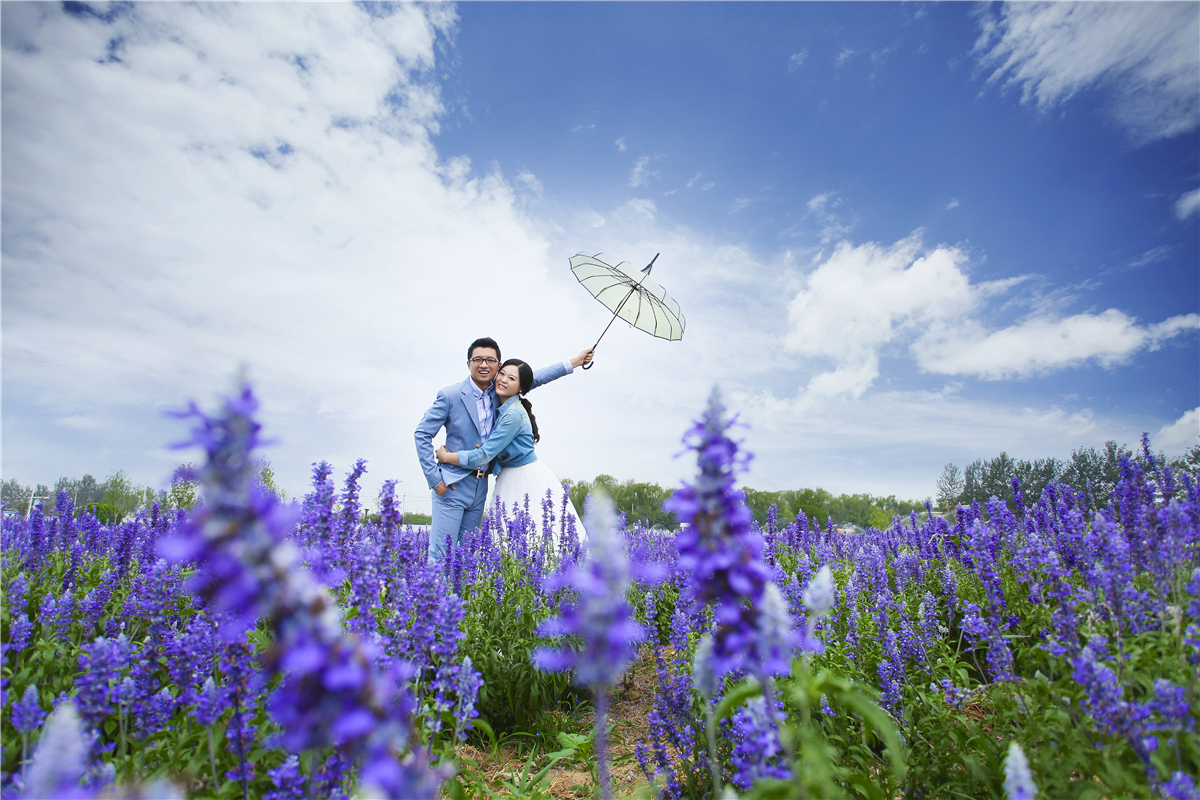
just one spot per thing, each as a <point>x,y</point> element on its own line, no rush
<point>737,694</point>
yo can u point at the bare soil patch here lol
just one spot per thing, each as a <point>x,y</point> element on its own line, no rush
<point>629,706</point>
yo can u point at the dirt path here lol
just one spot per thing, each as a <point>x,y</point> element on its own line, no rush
<point>630,703</point>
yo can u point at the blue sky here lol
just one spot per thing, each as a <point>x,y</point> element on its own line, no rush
<point>903,234</point>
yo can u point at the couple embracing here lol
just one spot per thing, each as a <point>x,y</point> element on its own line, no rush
<point>490,430</point>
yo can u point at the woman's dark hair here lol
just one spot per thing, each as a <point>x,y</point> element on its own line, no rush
<point>525,373</point>
<point>486,341</point>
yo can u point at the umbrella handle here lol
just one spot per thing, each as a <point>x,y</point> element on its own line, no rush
<point>589,365</point>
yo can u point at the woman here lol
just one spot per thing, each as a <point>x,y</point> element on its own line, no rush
<point>510,445</point>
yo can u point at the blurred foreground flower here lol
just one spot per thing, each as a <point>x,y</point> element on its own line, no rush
<point>1018,780</point>
<point>336,689</point>
<point>600,618</point>
<point>60,761</point>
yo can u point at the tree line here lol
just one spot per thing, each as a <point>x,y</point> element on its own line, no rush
<point>642,502</point>
<point>1092,471</point>
<point>118,496</point>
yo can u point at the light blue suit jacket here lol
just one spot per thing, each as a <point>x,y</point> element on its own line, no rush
<point>454,410</point>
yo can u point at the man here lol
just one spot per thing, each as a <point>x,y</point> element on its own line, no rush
<point>467,411</point>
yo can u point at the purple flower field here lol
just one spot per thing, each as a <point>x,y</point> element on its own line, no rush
<point>253,648</point>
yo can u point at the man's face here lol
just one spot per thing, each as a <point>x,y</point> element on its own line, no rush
<point>483,364</point>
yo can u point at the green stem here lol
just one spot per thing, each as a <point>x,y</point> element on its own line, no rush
<point>601,754</point>
<point>123,718</point>
<point>212,760</point>
<point>711,728</point>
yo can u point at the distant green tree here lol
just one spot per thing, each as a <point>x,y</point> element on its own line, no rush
<point>1189,462</point>
<point>16,496</point>
<point>853,508</point>
<point>82,491</point>
<point>125,496</point>
<point>640,502</point>
<point>108,515</point>
<point>879,520</point>
<point>760,503</point>
<point>820,506</point>
<point>185,490</point>
<point>1096,472</point>
<point>814,503</point>
<point>266,478</point>
<point>950,487</point>
<point>998,473</point>
<point>1036,475</point>
<point>984,479</point>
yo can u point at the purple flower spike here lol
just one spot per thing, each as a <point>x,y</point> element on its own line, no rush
<point>717,546</point>
<point>819,593</point>
<point>757,751</point>
<point>289,783</point>
<point>27,713</point>
<point>211,702</point>
<point>1180,787</point>
<point>601,616</point>
<point>776,634</point>
<point>60,760</point>
<point>240,532</point>
<point>336,689</point>
<point>1018,780</point>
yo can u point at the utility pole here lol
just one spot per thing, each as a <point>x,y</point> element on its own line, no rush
<point>29,509</point>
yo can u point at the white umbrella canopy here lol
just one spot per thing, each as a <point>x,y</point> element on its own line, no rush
<point>632,296</point>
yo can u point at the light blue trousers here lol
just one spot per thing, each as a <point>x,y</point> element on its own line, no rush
<point>460,510</point>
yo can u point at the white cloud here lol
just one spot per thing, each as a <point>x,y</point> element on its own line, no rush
<point>583,127</point>
<point>1188,204</point>
<point>867,300</point>
<point>1180,435</point>
<point>1147,54</point>
<point>862,298</point>
<point>740,204</point>
<point>620,143</point>
<point>642,174</point>
<point>796,61</point>
<point>639,208</point>
<point>952,204</point>
<point>1153,256</point>
<point>845,56</point>
<point>530,180</point>
<point>833,226</point>
<point>1040,345</point>
<point>148,252</point>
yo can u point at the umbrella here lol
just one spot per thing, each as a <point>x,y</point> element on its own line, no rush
<point>636,299</point>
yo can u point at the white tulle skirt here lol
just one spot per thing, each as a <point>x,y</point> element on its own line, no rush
<point>514,483</point>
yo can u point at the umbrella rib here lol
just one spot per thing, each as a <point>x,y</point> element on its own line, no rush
<point>605,281</point>
<point>632,291</point>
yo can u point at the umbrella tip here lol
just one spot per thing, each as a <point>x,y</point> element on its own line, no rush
<point>646,269</point>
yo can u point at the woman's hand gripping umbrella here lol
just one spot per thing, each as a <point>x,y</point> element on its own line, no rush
<point>636,299</point>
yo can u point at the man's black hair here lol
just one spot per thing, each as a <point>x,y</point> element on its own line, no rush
<point>486,341</point>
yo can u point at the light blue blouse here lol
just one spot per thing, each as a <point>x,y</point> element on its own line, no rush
<point>511,442</point>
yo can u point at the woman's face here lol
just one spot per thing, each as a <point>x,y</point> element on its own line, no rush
<point>508,382</point>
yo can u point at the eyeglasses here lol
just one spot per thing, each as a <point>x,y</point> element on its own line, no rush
<point>479,360</point>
